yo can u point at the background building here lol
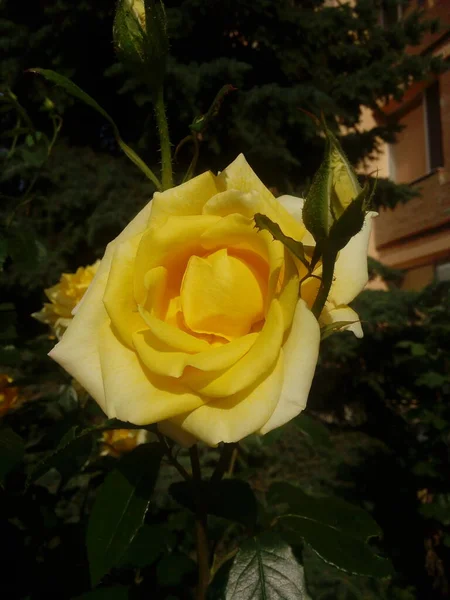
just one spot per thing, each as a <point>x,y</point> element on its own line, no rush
<point>416,236</point>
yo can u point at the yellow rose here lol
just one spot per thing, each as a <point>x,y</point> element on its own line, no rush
<point>194,319</point>
<point>64,297</point>
<point>120,441</point>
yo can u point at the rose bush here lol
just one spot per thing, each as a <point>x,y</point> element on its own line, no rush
<point>64,297</point>
<point>195,319</point>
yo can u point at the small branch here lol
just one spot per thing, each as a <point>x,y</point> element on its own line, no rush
<point>201,526</point>
<point>172,460</point>
<point>191,169</point>
<point>224,462</point>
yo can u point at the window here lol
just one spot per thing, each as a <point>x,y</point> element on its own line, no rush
<point>418,150</point>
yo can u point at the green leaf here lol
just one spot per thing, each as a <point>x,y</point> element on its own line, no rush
<point>265,569</point>
<point>231,499</point>
<point>68,457</point>
<point>336,548</point>
<point>335,530</point>
<point>72,89</point>
<point>12,450</point>
<point>313,429</point>
<point>73,449</point>
<point>120,507</point>
<point>149,543</point>
<point>172,569</point>
<point>119,592</point>
<point>264,223</point>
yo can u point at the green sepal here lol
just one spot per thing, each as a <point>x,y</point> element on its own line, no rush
<point>316,210</point>
<point>72,89</point>
<point>351,220</point>
<point>263,222</point>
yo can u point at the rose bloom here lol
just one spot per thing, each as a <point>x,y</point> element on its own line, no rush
<point>64,297</point>
<point>120,441</point>
<point>194,319</point>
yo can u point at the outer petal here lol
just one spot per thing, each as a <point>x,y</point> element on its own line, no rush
<point>332,314</point>
<point>132,392</point>
<point>185,199</point>
<point>119,298</point>
<point>77,352</point>
<point>240,176</point>
<point>300,352</point>
<point>350,271</point>
<point>233,418</point>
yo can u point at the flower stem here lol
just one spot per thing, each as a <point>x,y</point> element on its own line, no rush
<point>164,140</point>
<point>201,527</point>
<point>224,462</point>
<point>328,260</point>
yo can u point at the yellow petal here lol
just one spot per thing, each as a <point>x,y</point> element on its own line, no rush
<point>177,434</point>
<point>294,206</point>
<point>235,202</point>
<point>289,293</point>
<point>333,314</point>
<point>236,232</point>
<point>252,367</point>
<point>221,295</point>
<point>77,352</point>
<point>161,358</point>
<point>350,270</point>
<point>169,245</point>
<point>300,351</point>
<point>232,418</point>
<point>169,335</point>
<point>135,394</point>
<point>240,176</point>
<point>185,199</point>
<point>119,298</point>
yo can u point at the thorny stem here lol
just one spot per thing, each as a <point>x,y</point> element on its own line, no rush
<point>163,129</point>
<point>201,531</point>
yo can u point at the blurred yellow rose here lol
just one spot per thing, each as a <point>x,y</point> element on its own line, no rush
<point>120,441</point>
<point>64,297</point>
<point>8,394</point>
<point>194,318</point>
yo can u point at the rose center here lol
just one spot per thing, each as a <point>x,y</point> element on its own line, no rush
<point>221,295</point>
